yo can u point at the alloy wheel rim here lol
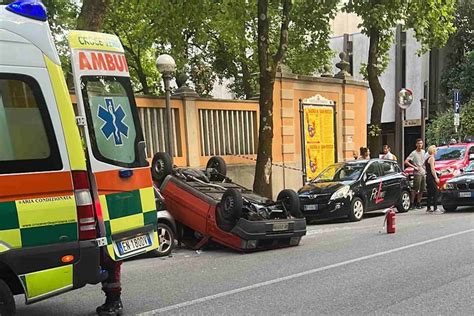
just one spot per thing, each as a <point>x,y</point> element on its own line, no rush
<point>358,209</point>
<point>164,237</point>
<point>405,201</point>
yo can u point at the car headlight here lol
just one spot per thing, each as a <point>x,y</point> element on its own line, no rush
<point>341,193</point>
<point>448,186</point>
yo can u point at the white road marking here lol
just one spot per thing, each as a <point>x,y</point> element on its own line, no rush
<point>296,275</point>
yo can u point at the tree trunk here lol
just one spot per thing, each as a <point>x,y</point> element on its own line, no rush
<point>263,170</point>
<point>378,93</point>
<point>267,65</point>
<point>92,15</point>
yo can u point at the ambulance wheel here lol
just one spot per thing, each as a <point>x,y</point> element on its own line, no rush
<point>231,205</point>
<point>166,239</point>
<point>291,201</point>
<point>7,302</point>
<point>161,166</point>
<point>404,204</point>
<point>357,210</point>
<point>218,164</point>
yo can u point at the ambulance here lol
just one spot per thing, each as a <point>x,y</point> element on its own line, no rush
<point>74,180</point>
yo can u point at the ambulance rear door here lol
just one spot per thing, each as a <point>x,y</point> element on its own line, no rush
<point>109,122</point>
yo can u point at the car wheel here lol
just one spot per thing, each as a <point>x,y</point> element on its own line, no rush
<point>166,239</point>
<point>450,208</point>
<point>291,201</point>
<point>7,302</point>
<point>405,202</point>
<point>231,204</point>
<point>161,166</point>
<point>357,210</point>
<point>218,164</point>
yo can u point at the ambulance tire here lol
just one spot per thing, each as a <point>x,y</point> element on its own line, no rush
<point>291,201</point>
<point>217,163</point>
<point>7,302</point>
<point>161,166</point>
<point>231,205</point>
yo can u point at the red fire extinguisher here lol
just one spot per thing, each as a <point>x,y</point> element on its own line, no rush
<point>390,218</point>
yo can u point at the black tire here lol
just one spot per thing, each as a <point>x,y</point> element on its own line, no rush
<point>167,239</point>
<point>7,302</point>
<point>161,166</point>
<point>291,201</point>
<point>218,164</point>
<point>355,212</point>
<point>450,208</point>
<point>231,205</point>
<point>404,203</point>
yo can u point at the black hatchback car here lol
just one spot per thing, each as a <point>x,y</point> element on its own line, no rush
<point>459,191</point>
<point>350,189</point>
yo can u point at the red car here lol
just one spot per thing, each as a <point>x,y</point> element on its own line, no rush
<point>208,206</point>
<point>450,160</point>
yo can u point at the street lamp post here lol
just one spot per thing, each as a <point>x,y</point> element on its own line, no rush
<point>167,66</point>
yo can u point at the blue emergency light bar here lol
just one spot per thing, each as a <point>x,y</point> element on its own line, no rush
<point>33,9</point>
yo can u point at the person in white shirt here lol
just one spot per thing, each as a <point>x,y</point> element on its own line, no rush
<point>416,160</point>
<point>387,154</point>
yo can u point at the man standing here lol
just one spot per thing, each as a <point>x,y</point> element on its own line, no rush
<point>416,161</point>
<point>387,154</point>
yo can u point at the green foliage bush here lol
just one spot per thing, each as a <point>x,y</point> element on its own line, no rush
<point>441,129</point>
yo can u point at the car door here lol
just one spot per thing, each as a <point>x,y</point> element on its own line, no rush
<point>373,185</point>
<point>391,183</point>
<point>115,145</point>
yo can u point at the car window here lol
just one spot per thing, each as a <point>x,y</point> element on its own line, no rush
<point>341,172</point>
<point>112,114</point>
<point>27,140</point>
<point>389,168</point>
<point>373,169</point>
<point>450,153</point>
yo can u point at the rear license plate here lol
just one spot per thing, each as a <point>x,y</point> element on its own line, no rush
<point>311,207</point>
<point>133,244</point>
<point>465,194</point>
<point>280,226</point>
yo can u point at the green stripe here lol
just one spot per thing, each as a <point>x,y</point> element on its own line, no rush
<point>124,204</point>
<point>149,218</point>
<point>45,235</point>
<point>108,232</point>
<point>8,215</point>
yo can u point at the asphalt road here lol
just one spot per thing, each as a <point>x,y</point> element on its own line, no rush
<point>426,267</point>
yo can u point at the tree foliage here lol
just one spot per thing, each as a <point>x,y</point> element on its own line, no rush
<point>431,20</point>
<point>441,129</point>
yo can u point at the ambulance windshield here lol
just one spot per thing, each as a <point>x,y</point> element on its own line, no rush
<point>112,118</point>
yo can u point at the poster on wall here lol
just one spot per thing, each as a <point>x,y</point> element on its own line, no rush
<point>318,135</point>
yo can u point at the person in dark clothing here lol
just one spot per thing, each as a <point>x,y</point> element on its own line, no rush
<point>111,287</point>
<point>432,181</point>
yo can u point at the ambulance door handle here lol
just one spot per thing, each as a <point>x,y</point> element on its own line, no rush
<point>125,173</point>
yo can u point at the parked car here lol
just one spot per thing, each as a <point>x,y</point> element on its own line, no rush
<point>459,191</point>
<point>352,188</point>
<point>208,206</point>
<point>450,159</point>
<point>166,227</point>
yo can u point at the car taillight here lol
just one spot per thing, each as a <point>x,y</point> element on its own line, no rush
<point>84,205</point>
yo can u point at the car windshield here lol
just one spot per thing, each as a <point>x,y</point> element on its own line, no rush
<point>341,172</point>
<point>450,153</point>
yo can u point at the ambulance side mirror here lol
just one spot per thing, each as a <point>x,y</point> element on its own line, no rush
<point>142,153</point>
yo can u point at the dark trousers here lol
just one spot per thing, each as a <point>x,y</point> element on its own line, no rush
<point>111,286</point>
<point>432,189</point>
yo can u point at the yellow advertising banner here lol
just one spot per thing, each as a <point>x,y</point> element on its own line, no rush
<point>319,138</point>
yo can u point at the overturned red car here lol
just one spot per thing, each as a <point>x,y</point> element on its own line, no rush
<point>208,206</point>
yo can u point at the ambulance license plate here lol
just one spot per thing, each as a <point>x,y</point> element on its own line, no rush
<point>132,244</point>
<point>280,226</point>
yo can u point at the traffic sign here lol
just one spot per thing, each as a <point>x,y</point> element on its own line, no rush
<point>457,101</point>
<point>456,119</point>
